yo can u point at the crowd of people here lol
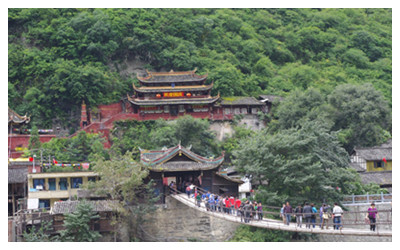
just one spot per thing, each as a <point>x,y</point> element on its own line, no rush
<point>310,212</point>
<point>228,204</point>
<point>252,210</point>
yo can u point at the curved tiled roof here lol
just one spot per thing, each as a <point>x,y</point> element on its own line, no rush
<point>13,117</point>
<point>172,89</point>
<point>192,100</point>
<point>158,160</point>
<point>170,77</point>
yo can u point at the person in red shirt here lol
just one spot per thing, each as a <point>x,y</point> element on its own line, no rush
<point>232,203</point>
<point>227,205</point>
<point>238,202</point>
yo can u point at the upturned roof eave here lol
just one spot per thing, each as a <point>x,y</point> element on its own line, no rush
<point>173,101</point>
<point>170,89</point>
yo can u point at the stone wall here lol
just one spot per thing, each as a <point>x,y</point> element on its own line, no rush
<point>178,222</point>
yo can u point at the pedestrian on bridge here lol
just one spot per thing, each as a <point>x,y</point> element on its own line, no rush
<point>282,214</point>
<point>313,216</point>
<point>232,204</point>
<point>247,211</point>
<point>241,211</point>
<point>325,215</point>
<point>227,205</point>
<point>321,212</point>
<point>299,215</point>
<point>337,216</point>
<point>372,216</point>
<point>188,190</point>
<point>238,202</point>
<point>198,199</point>
<point>288,213</point>
<point>307,210</point>
<point>211,201</point>
<point>259,211</point>
<point>217,203</point>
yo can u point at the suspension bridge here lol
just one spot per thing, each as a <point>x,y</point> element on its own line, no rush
<point>348,227</point>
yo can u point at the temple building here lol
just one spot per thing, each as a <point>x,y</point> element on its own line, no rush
<point>169,95</point>
<point>184,167</point>
<point>172,93</point>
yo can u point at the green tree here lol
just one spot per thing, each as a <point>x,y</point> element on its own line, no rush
<point>34,140</point>
<point>40,234</point>
<point>123,180</point>
<point>300,106</point>
<point>255,234</point>
<point>361,114</point>
<point>297,164</point>
<point>77,224</point>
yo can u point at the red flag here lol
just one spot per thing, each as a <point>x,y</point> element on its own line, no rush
<point>384,159</point>
<point>31,159</point>
<point>54,161</point>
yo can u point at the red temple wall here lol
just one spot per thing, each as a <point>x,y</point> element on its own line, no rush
<point>106,111</point>
<point>22,141</point>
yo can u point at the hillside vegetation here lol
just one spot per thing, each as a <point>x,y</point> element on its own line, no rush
<point>59,57</point>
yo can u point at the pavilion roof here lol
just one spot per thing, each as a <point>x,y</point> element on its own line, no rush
<point>160,160</point>
<point>166,101</point>
<point>171,77</point>
<point>13,117</point>
<point>159,89</point>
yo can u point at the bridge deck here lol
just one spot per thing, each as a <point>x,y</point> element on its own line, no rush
<point>278,225</point>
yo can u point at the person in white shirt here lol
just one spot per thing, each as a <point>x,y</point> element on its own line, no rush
<point>337,219</point>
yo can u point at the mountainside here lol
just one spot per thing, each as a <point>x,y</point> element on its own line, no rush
<point>59,57</point>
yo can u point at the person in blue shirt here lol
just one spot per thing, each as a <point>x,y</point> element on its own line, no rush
<point>313,216</point>
<point>211,201</point>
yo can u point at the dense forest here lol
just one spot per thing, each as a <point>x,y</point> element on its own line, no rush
<point>59,57</point>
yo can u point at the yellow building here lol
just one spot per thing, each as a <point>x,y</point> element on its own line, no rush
<point>46,188</point>
<point>374,164</point>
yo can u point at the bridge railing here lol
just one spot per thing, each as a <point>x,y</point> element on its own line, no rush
<point>366,199</point>
<point>350,219</point>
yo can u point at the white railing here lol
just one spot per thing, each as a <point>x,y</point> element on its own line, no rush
<point>367,198</point>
